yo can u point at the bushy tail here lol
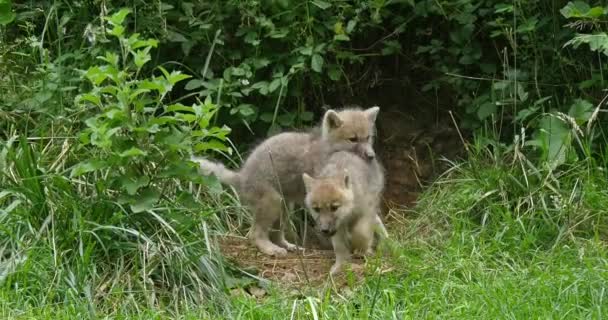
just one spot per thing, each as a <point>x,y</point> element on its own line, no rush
<point>225,175</point>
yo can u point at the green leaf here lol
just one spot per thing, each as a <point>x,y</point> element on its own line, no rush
<point>179,107</point>
<point>145,201</point>
<point>132,184</point>
<point>211,145</point>
<point>141,57</point>
<point>581,110</point>
<point>133,152</point>
<point>597,42</point>
<point>245,110</point>
<point>274,85</point>
<point>334,73</point>
<point>580,9</point>
<point>485,110</point>
<point>6,12</point>
<point>321,4</point>
<point>119,17</point>
<point>88,97</point>
<point>316,63</point>
<point>194,84</point>
<point>88,166</point>
<point>177,76</point>
<point>341,37</point>
<point>554,138</point>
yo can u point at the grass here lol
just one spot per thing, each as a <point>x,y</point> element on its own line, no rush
<point>478,245</point>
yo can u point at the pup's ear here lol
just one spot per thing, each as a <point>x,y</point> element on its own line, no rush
<point>332,120</point>
<point>372,113</point>
<point>346,179</point>
<point>308,180</point>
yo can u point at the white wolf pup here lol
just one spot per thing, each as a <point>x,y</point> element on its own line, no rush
<point>271,177</point>
<point>345,201</point>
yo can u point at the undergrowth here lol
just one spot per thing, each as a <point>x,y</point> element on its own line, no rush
<point>99,215</point>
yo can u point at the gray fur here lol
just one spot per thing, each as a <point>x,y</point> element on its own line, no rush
<point>272,174</point>
<point>345,201</point>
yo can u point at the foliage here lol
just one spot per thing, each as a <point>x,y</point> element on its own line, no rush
<point>99,107</point>
<point>137,139</point>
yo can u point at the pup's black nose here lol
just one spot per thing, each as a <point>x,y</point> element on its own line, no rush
<point>370,155</point>
<point>328,232</point>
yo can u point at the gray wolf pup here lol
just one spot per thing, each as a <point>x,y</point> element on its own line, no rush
<point>270,180</point>
<point>344,199</point>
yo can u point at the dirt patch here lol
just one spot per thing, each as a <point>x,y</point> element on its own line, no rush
<point>308,267</point>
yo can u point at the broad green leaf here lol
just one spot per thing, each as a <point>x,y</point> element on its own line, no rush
<point>211,145</point>
<point>95,75</point>
<point>321,4</point>
<point>341,37</point>
<point>141,57</point>
<point>133,152</point>
<point>555,138</point>
<point>274,85</point>
<point>485,110</point>
<point>334,72</point>
<point>177,76</point>
<point>316,63</point>
<point>6,12</point>
<point>119,17</point>
<point>581,110</point>
<point>580,9</point>
<point>133,184</point>
<point>597,42</point>
<point>145,201</point>
<point>179,107</point>
<point>88,166</point>
<point>88,97</point>
<point>194,84</point>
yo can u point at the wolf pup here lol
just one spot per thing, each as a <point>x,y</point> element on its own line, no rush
<point>345,201</point>
<point>270,180</point>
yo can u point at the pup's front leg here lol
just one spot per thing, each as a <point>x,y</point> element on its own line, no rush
<point>342,252</point>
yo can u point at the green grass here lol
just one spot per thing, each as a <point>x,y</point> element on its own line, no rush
<point>478,245</point>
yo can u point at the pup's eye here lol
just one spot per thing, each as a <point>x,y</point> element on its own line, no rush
<point>353,139</point>
<point>316,209</point>
<point>334,207</point>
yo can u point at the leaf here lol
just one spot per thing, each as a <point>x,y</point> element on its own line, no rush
<point>133,152</point>
<point>132,184</point>
<point>145,201</point>
<point>321,4</point>
<point>597,42</point>
<point>194,84</point>
<point>119,17</point>
<point>316,63</point>
<point>334,73</point>
<point>580,9</point>
<point>177,76</point>
<point>6,12</point>
<point>246,110</point>
<point>485,110</point>
<point>210,145</point>
<point>175,36</point>
<point>274,85</point>
<point>88,166</point>
<point>554,138</point>
<point>179,107</point>
<point>581,110</point>
<point>141,57</point>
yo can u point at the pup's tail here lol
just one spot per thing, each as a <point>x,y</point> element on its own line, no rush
<point>225,175</point>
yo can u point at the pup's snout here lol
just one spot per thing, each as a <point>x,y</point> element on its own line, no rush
<point>370,154</point>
